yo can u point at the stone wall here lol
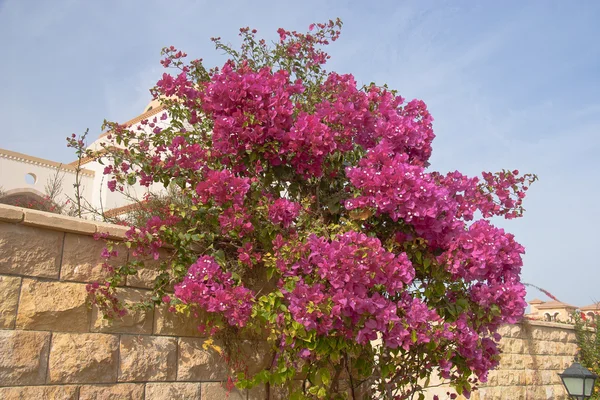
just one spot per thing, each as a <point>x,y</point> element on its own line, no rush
<point>53,345</point>
<point>533,353</point>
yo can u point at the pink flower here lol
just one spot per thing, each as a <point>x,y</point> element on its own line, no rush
<point>284,212</point>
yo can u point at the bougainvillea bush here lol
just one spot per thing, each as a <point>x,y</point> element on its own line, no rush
<point>308,215</point>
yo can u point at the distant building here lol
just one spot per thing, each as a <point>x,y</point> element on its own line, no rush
<point>24,178</point>
<point>551,311</point>
<point>591,311</point>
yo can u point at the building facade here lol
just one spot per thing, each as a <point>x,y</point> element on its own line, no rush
<point>27,180</point>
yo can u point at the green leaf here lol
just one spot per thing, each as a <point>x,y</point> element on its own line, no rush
<point>321,393</point>
<point>219,256</point>
<point>270,272</point>
<point>325,376</point>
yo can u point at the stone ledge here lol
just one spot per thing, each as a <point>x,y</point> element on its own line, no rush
<point>548,324</point>
<point>58,222</point>
<point>115,232</point>
<point>11,214</point>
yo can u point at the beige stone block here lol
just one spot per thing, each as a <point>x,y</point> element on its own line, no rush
<point>9,298</point>
<point>493,378</point>
<point>82,259</point>
<point>505,361</point>
<point>532,377</point>
<point>566,361</point>
<point>509,378</point>
<point>504,330</point>
<point>23,357</point>
<point>516,331</point>
<point>58,222</point>
<point>57,306</point>
<point>175,324</point>
<point>147,274</point>
<point>558,335</point>
<point>258,393</point>
<point>196,363</point>
<point>535,332</point>
<point>549,362</point>
<point>550,377</point>
<point>568,349</point>
<point>277,392</point>
<point>500,393</point>
<point>217,391</point>
<point>541,333</point>
<point>529,361</point>
<point>180,390</point>
<point>481,394</point>
<point>494,394</point>
<point>135,321</point>
<point>30,251</point>
<point>558,391</point>
<point>517,361</point>
<point>63,392</point>
<point>252,355</point>
<point>522,377</point>
<point>147,358</point>
<point>545,347</point>
<point>563,336</point>
<point>122,391</point>
<point>571,338</point>
<point>514,346</point>
<point>535,392</point>
<point>11,213</point>
<point>83,358</point>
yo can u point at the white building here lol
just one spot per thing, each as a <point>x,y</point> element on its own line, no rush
<point>24,178</point>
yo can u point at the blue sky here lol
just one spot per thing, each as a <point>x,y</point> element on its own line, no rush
<point>510,84</point>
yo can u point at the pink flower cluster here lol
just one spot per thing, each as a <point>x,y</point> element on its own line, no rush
<point>492,258</point>
<point>269,120</point>
<point>250,109</point>
<point>353,272</point>
<point>222,187</point>
<point>389,183</point>
<point>283,212</point>
<point>146,240</point>
<point>213,290</point>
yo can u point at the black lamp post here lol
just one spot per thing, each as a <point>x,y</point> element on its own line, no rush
<point>578,381</point>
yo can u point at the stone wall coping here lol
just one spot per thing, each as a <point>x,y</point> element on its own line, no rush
<point>57,222</point>
<point>561,325</point>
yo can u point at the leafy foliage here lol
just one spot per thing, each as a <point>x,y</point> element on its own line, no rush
<point>588,340</point>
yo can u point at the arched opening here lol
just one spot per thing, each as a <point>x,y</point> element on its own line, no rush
<point>555,316</point>
<point>547,317</point>
<point>28,198</point>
